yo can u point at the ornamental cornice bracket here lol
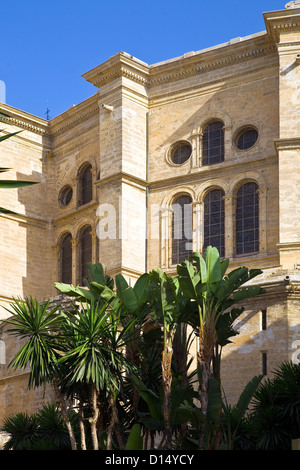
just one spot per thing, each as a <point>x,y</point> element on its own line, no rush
<point>120,65</point>
<point>283,21</point>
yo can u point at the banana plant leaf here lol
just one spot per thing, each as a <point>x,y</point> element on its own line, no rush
<point>152,400</point>
<point>135,438</point>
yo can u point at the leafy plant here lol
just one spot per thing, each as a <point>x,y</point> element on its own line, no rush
<point>44,430</point>
<point>204,281</point>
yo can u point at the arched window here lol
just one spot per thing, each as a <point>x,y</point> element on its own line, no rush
<point>247,219</point>
<point>85,187</point>
<point>66,259</point>
<point>214,220</point>
<point>85,252</point>
<point>213,143</point>
<point>182,226</point>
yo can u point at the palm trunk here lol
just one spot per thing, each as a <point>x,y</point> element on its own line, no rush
<point>64,413</point>
<point>94,418</point>
<point>81,426</point>
<point>112,423</point>
<point>207,339</point>
<point>167,383</point>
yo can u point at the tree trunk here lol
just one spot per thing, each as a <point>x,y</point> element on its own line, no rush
<point>64,413</point>
<point>94,419</point>
<point>132,354</point>
<point>180,359</point>
<point>81,426</point>
<point>207,340</point>
<point>167,383</point>
<point>203,396</point>
<point>113,421</point>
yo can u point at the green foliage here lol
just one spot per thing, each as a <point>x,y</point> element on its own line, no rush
<point>40,328</point>
<point>205,281</point>
<point>95,356</point>
<point>119,342</point>
<point>233,416</point>
<point>135,439</point>
<point>275,421</point>
<point>43,430</point>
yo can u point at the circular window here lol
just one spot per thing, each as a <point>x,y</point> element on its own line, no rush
<point>180,153</point>
<point>246,138</point>
<point>65,196</point>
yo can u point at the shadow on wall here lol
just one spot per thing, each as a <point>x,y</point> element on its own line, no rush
<point>258,349</point>
<point>38,202</point>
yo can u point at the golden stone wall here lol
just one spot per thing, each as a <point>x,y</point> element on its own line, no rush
<point>126,132</point>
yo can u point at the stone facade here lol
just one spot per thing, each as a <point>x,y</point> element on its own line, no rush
<point>126,132</point>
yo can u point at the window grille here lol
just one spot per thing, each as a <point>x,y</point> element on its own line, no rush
<point>264,319</point>
<point>66,259</point>
<point>85,252</point>
<point>182,226</point>
<point>264,363</point>
<point>181,153</point>
<point>86,186</point>
<point>247,139</point>
<point>247,219</point>
<point>214,220</point>
<point>213,143</point>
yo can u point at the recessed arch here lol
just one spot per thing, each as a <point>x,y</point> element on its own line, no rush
<point>65,248</point>
<point>247,218</point>
<point>182,227</point>
<point>214,220</point>
<point>85,184</point>
<point>208,185</point>
<point>85,253</point>
<point>213,145</point>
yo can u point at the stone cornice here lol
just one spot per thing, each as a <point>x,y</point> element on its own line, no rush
<point>189,65</point>
<point>119,65</point>
<point>292,143</point>
<point>74,115</point>
<point>122,177</point>
<point>211,60</point>
<point>282,21</point>
<point>23,120</point>
<point>211,171</point>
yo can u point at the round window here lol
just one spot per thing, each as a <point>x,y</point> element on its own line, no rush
<point>65,196</point>
<point>246,138</point>
<point>180,153</point>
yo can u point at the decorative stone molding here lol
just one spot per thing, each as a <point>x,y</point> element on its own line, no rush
<point>70,123</point>
<point>123,65</point>
<point>282,21</point>
<point>24,125</point>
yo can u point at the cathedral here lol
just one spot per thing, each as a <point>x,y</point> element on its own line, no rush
<point>165,159</point>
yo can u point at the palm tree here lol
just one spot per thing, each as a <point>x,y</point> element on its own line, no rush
<point>213,293</point>
<point>168,307</point>
<point>96,359</point>
<point>275,417</point>
<point>44,430</point>
<point>40,327</point>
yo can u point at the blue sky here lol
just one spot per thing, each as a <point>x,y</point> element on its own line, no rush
<point>47,46</point>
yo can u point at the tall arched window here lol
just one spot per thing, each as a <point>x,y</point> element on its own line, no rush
<point>66,259</point>
<point>85,186</point>
<point>214,220</point>
<point>247,219</point>
<point>182,226</point>
<point>213,143</point>
<point>85,252</point>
